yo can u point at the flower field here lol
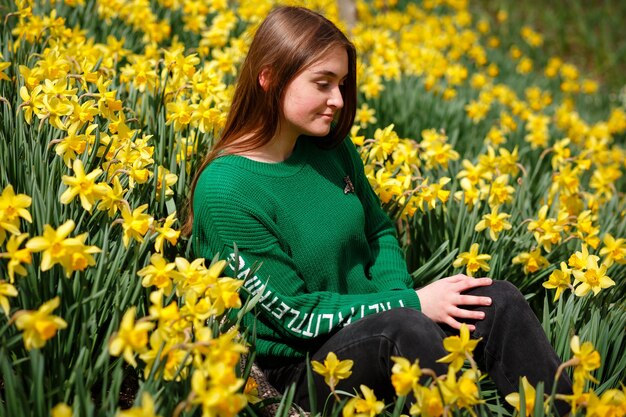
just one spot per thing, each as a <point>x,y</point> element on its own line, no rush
<point>493,159</point>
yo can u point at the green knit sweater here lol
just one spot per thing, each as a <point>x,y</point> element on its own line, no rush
<point>328,253</point>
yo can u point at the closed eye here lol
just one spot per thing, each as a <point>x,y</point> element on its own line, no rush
<point>323,85</point>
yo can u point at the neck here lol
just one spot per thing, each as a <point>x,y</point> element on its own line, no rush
<point>278,149</point>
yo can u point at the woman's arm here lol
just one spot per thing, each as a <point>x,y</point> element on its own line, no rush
<point>439,300</point>
<point>222,217</point>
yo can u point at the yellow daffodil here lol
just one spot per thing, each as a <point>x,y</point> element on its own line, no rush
<point>166,232</point>
<point>586,230</point>
<point>131,338</point>
<point>251,391</point>
<point>586,357</point>
<point>438,154</point>
<point>404,375</point>
<point>561,153</point>
<point>531,261</point>
<point>614,250</point>
<point>476,111</point>
<point>6,290</point>
<point>173,362</point>
<point>226,349</point>
<point>474,173</point>
<point>529,397</point>
<point>508,161</point>
<point>112,199</point>
<point>385,141</point>
<point>58,248</point>
<point>473,260</point>
<point>553,67</point>
<point>560,280</point>
<point>194,275</point>
<point>356,139</point>
<point>456,74</point>
<point>146,409</point>
<point>217,399</point>
<point>225,294</point>
<point>566,181</point>
<point>594,278</point>
<point>366,406</point>
<point>547,231</point>
<point>164,315</point>
<point>16,256</point>
<point>61,410</point>
<point>333,370</point>
<point>55,108</point>
<point>428,402</point>
<point>82,185</point>
<point>385,185</point>
<point>365,116</point>
<point>371,85</point>
<point>78,255</point>
<point>469,194</point>
<point>495,222</point>
<point>3,67</point>
<point>531,37</point>
<point>52,244</point>
<point>198,308</point>
<point>460,347</point>
<point>165,179</point>
<point>617,121</point>
<point>31,101</point>
<point>84,113</point>
<point>159,273</point>
<point>12,208</point>
<point>39,326</point>
<point>429,194</point>
<point>525,65</point>
<point>579,259</point>
<point>611,403</point>
<point>499,191</point>
<point>537,127</point>
<point>135,223</point>
<point>73,144</point>
<point>462,392</point>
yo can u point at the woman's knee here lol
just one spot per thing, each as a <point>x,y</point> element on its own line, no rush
<point>399,323</point>
<point>410,334</point>
<point>398,329</point>
<point>503,293</point>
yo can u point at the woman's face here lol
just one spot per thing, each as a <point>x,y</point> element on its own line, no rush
<point>313,97</point>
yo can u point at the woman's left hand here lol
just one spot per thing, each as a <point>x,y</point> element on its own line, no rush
<point>441,299</point>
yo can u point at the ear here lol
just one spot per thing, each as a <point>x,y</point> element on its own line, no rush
<point>264,79</point>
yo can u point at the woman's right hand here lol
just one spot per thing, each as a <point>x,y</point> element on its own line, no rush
<point>441,299</point>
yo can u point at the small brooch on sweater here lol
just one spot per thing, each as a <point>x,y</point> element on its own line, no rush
<point>349,188</point>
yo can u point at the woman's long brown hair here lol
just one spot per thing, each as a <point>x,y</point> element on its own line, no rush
<point>288,41</point>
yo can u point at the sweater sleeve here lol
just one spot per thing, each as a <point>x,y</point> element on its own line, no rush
<point>223,216</point>
<point>388,268</point>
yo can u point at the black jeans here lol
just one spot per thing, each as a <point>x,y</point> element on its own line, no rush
<point>513,345</point>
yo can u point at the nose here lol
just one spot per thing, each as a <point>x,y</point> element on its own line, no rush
<point>336,99</point>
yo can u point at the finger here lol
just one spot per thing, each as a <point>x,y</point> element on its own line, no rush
<point>466,284</point>
<point>457,325</point>
<point>461,313</point>
<point>455,278</point>
<point>473,300</point>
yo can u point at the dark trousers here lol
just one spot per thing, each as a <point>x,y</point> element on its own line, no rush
<point>513,345</point>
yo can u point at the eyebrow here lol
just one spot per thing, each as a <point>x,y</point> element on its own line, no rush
<point>328,73</point>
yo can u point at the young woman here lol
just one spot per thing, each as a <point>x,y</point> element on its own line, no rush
<point>283,188</point>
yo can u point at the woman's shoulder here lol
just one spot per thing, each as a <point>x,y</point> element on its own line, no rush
<point>223,173</point>
<point>223,183</point>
